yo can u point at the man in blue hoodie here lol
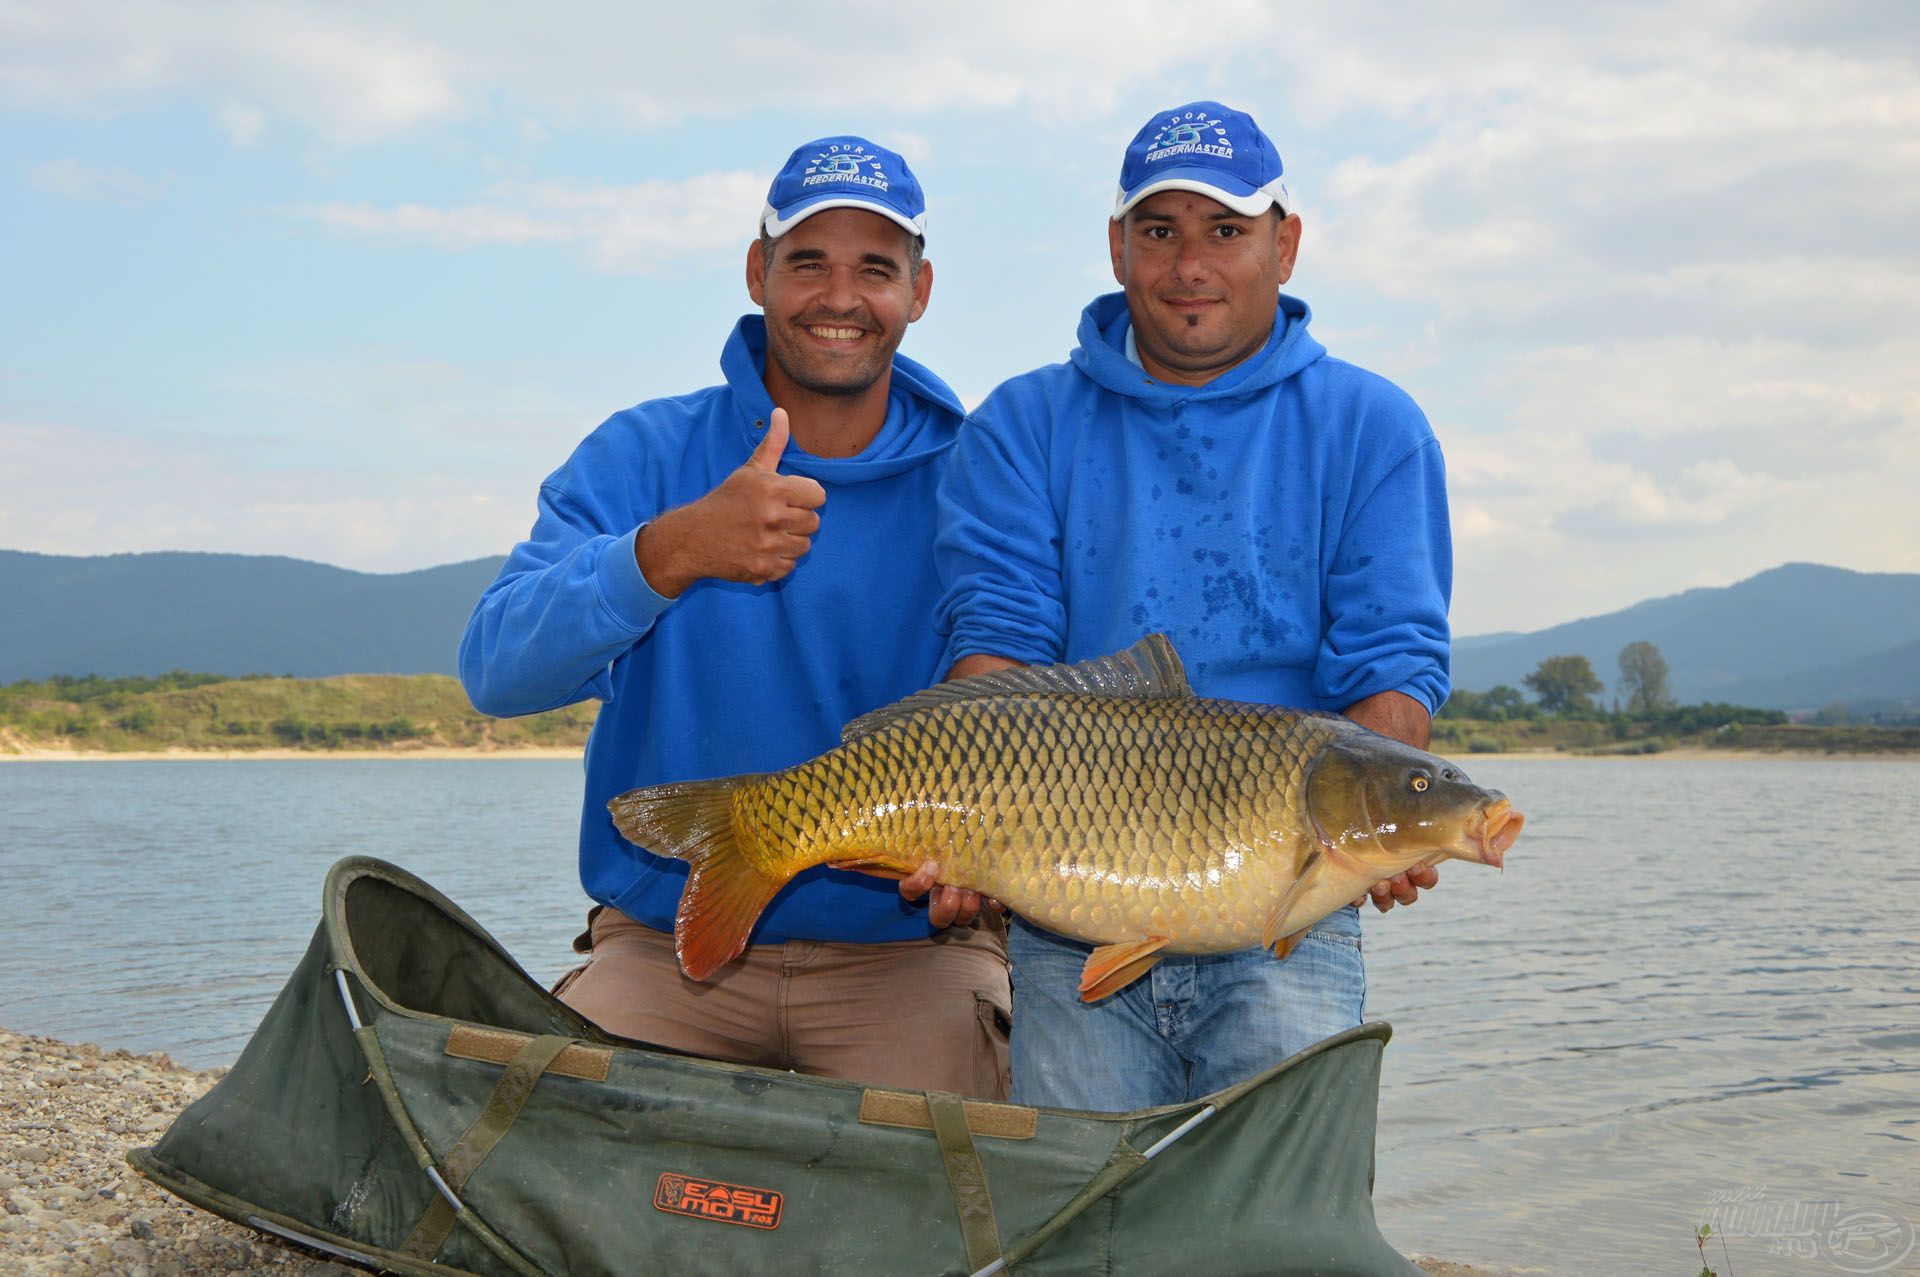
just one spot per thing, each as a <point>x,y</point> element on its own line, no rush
<point>1201,467</point>
<point>735,574</point>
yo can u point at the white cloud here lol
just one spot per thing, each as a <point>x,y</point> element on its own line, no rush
<point>348,73</point>
<point>80,181</point>
<point>200,492</point>
<point>647,229</point>
<point>359,72</point>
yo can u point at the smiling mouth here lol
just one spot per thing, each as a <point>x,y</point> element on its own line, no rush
<point>835,332</point>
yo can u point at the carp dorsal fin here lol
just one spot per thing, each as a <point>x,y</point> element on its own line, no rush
<point>1149,670</point>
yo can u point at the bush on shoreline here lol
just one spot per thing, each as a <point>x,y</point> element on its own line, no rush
<point>207,712</point>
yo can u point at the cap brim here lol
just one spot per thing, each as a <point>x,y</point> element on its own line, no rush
<point>1244,200</point>
<point>776,225</point>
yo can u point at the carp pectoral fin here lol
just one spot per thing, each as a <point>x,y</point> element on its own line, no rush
<point>1112,967</point>
<point>1276,932</point>
<point>1287,944</point>
<point>877,868</point>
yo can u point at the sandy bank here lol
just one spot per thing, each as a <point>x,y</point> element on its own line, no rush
<point>71,1203</point>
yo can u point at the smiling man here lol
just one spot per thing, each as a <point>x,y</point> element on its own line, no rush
<point>735,574</point>
<point>1201,467</point>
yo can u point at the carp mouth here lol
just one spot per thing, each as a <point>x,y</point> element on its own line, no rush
<point>1499,826</point>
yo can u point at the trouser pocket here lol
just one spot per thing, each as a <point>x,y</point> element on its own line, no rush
<point>995,1065</point>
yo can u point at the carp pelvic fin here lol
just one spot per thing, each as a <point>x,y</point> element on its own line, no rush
<point>1112,967</point>
<point>725,894</point>
<point>1149,670</point>
<point>1287,944</point>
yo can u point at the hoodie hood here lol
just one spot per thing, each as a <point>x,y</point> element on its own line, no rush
<point>1102,355</point>
<point>923,414</point>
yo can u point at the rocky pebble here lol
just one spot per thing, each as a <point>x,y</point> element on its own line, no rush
<point>70,1204</point>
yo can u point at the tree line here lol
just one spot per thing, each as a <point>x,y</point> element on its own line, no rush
<point>1565,687</point>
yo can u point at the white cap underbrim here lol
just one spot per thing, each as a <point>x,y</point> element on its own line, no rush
<point>776,226</point>
<point>1273,194</point>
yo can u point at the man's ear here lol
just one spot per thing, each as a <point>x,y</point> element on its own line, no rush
<point>757,273</point>
<point>1117,248</point>
<point>1286,240</point>
<point>922,290</point>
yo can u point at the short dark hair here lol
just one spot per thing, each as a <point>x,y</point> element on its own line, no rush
<point>916,252</point>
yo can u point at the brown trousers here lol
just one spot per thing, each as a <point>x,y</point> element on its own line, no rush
<point>922,1015</point>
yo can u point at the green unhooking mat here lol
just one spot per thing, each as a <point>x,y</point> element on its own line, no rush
<point>414,1102</point>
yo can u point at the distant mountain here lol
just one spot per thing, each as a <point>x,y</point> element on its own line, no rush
<point>1799,636</point>
<point>129,614</point>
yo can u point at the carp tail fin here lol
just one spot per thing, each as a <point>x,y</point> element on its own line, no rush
<point>725,893</point>
<point>1112,967</point>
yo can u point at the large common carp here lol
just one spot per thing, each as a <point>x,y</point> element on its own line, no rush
<point>1103,800</point>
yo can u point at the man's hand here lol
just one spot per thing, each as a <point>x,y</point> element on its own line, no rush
<point>949,906</point>
<point>1401,889</point>
<point>754,527</point>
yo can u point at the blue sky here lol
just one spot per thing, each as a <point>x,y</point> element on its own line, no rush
<point>343,281</point>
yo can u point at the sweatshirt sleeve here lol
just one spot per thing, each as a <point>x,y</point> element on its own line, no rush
<point>568,601</point>
<point>1388,589</point>
<point>998,544</point>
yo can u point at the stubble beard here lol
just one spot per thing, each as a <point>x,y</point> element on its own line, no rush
<point>799,366</point>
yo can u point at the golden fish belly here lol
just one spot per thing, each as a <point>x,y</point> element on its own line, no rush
<point>1102,819</point>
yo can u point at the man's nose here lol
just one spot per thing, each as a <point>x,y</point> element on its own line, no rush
<point>1190,262</point>
<point>841,294</point>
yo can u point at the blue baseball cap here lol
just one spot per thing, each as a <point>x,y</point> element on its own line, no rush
<point>844,172</point>
<point>1207,148</point>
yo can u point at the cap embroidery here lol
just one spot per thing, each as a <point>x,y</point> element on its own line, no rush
<point>843,164</point>
<point>1187,134</point>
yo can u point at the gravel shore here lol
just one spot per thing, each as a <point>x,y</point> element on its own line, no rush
<point>70,1204</point>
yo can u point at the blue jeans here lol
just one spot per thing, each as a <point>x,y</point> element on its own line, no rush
<point>1194,1024</point>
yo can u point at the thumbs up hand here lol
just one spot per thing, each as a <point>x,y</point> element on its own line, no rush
<point>754,527</point>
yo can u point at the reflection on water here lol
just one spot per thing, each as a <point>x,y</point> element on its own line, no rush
<point>1692,995</point>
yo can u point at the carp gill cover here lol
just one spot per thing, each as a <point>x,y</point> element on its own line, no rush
<point>1102,800</point>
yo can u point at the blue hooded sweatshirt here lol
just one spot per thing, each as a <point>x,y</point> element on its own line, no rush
<point>1284,524</point>
<point>728,677</point>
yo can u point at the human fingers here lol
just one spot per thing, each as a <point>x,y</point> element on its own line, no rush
<point>798,490</point>
<point>953,906</point>
<point>920,881</point>
<point>767,456</point>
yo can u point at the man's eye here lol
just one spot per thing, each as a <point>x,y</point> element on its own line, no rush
<point>1228,232</point>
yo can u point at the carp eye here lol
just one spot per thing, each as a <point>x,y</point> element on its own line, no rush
<point>1420,784</point>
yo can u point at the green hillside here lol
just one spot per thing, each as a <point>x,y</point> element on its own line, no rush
<point>397,712</point>
<point>212,712</point>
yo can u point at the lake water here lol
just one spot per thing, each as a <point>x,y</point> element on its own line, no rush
<point>1693,995</point>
